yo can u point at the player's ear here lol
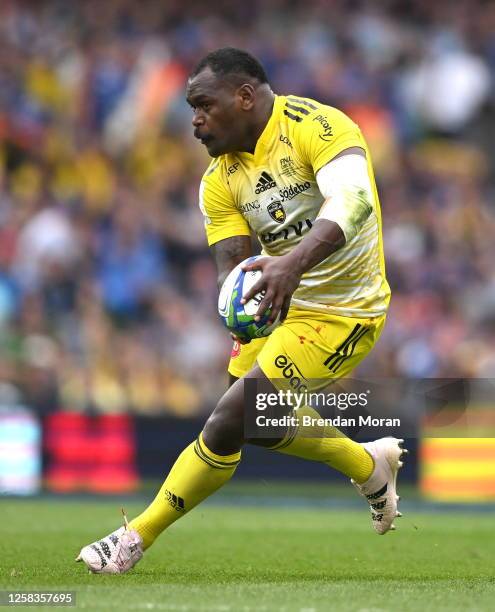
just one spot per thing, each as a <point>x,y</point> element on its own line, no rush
<point>246,94</point>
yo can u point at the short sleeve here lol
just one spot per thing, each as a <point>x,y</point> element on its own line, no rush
<point>324,134</point>
<point>221,218</point>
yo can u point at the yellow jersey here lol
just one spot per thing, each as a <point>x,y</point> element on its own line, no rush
<point>274,193</point>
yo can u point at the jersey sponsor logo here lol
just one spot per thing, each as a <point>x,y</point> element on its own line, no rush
<point>264,183</point>
<point>293,190</point>
<point>285,140</point>
<point>291,372</point>
<point>327,134</point>
<point>286,232</point>
<point>233,168</point>
<point>287,166</point>
<point>249,207</point>
<point>276,211</point>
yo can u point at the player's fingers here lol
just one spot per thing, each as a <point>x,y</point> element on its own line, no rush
<point>264,305</point>
<point>285,308</point>
<point>254,265</point>
<point>275,308</point>
<point>256,288</point>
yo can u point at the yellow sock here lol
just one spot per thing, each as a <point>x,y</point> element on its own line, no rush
<point>328,445</point>
<point>195,475</point>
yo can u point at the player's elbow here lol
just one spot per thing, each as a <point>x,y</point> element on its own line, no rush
<point>350,211</point>
<point>361,207</point>
<point>361,211</point>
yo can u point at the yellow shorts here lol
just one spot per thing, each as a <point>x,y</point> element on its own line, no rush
<point>308,349</point>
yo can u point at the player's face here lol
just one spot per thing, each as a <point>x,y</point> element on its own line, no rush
<point>218,121</point>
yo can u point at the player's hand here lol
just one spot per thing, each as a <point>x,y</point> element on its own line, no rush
<point>279,281</point>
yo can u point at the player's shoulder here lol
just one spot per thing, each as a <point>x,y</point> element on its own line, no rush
<point>216,171</point>
<point>304,115</point>
<point>214,186</point>
<point>216,176</point>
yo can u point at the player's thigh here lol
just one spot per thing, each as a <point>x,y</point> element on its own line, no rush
<point>309,349</point>
<point>243,357</point>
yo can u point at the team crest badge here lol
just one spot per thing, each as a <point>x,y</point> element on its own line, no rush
<point>276,211</point>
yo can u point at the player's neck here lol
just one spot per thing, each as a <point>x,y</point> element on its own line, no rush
<point>263,114</point>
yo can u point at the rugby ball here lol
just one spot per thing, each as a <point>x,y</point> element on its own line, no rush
<point>237,317</point>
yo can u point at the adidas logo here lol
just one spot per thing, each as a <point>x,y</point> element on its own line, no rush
<point>100,554</point>
<point>265,182</point>
<point>175,501</point>
<point>378,494</point>
<point>379,505</point>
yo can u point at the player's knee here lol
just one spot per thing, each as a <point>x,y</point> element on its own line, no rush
<point>223,431</point>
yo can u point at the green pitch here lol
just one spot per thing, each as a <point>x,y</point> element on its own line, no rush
<point>230,559</point>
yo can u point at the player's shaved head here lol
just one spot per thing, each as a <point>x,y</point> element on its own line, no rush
<point>231,99</point>
<point>233,65</point>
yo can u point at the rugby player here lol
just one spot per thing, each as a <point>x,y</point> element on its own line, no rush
<point>298,174</point>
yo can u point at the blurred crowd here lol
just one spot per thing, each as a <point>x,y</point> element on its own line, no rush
<point>107,289</point>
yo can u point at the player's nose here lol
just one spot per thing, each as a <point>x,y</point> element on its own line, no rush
<point>198,119</point>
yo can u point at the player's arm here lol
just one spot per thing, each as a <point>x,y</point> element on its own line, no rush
<point>229,252</point>
<point>345,184</point>
<point>282,275</point>
<point>227,232</point>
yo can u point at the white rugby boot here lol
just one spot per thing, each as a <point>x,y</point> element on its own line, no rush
<point>116,553</point>
<point>380,488</point>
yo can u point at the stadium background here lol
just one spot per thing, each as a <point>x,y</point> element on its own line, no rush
<point>111,353</point>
